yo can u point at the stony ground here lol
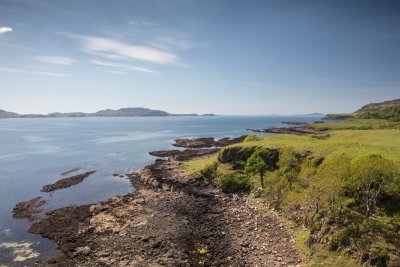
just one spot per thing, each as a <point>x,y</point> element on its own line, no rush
<point>171,220</point>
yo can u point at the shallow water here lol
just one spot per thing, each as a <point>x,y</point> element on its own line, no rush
<point>35,152</point>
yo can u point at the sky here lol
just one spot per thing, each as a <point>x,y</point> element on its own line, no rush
<point>198,56</point>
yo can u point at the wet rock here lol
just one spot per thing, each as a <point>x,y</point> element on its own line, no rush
<point>195,143</point>
<point>67,182</point>
<point>28,209</point>
<point>189,154</point>
<point>164,153</point>
<point>206,142</point>
<point>298,130</point>
<point>229,141</point>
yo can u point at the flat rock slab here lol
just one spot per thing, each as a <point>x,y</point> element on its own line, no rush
<point>67,182</point>
<point>28,209</point>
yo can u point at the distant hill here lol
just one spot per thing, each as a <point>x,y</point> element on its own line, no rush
<point>131,112</point>
<point>122,112</point>
<point>387,110</point>
<point>6,114</point>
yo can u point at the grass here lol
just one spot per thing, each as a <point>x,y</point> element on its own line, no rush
<point>353,143</point>
<point>328,258</point>
<point>302,236</point>
<point>199,164</point>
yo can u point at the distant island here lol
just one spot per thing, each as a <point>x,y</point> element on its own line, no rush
<point>122,112</point>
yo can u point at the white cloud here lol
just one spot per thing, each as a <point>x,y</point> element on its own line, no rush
<point>122,66</point>
<point>55,60</point>
<point>114,49</point>
<point>53,74</point>
<point>5,29</point>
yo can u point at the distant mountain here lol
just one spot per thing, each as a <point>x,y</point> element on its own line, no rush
<point>131,112</point>
<point>387,110</point>
<point>6,114</point>
<point>122,112</point>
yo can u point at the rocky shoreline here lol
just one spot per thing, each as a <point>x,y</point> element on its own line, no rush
<point>171,219</point>
<point>297,129</point>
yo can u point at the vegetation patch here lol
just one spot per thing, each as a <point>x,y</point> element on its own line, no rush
<point>341,191</point>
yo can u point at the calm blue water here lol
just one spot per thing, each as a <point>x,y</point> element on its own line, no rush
<point>34,152</point>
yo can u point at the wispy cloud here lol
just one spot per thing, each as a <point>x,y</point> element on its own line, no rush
<point>53,74</point>
<point>118,50</point>
<point>5,30</point>
<point>121,66</point>
<point>54,60</point>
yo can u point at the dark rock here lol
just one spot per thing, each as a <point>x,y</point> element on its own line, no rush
<point>205,142</point>
<point>189,154</point>
<point>28,209</point>
<point>67,182</point>
<point>195,143</point>
<point>164,153</point>
<point>287,130</point>
<point>230,141</point>
<point>294,122</point>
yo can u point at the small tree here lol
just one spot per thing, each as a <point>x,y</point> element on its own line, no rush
<point>373,177</point>
<point>256,164</point>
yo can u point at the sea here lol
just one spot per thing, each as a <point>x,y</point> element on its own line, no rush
<point>37,151</point>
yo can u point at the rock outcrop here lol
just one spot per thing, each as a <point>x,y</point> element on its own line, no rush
<point>67,182</point>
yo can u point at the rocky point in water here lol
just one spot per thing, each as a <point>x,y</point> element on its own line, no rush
<point>67,182</point>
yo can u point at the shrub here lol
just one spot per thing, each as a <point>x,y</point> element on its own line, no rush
<point>327,184</point>
<point>372,178</point>
<point>342,238</point>
<point>209,173</point>
<point>234,182</point>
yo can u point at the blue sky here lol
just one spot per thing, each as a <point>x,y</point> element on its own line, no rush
<point>184,56</point>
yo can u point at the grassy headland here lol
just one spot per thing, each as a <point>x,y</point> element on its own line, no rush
<point>339,189</point>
